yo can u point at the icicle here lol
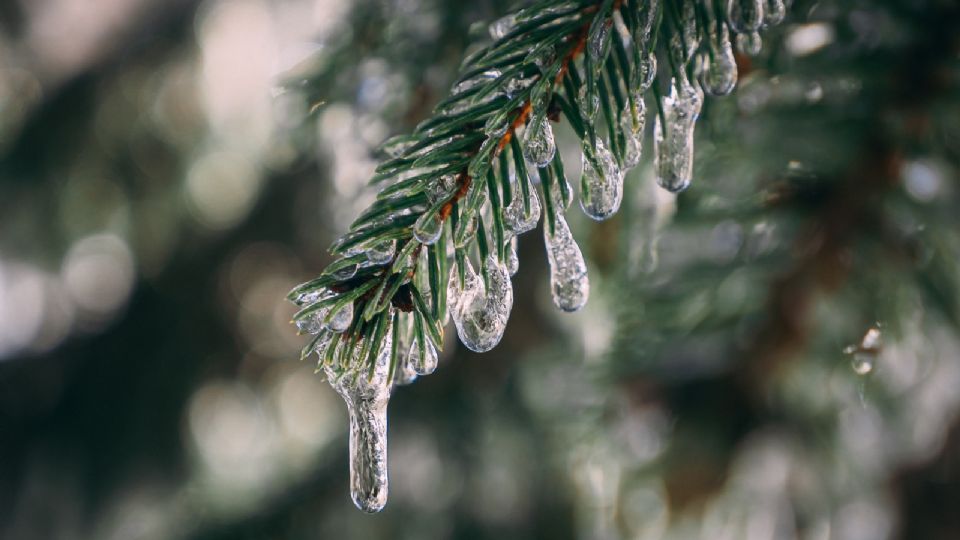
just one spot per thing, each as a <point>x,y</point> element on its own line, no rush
<point>538,143</point>
<point>568,272</point>
<point>513,261</point>
<point>366,393</point>
<point>774,13</point>
<point>749,44</point>
<point>719,74</point>
<point>340,321</point>
<point>673,151</point>
<point>745,15</point>
<point>602,187</point>
<point>427,228</point>
<point>382,253</point>
<point>634,122</point>
<point>481,312</point>
<point>517,220</point>
<point>502,26</point>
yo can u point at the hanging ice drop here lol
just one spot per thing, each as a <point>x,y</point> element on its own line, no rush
<point>673,150</point>
<point>341,320</point>
<point>517,219</point>
<point>719,74</point>
<point>775,12</point>
<point>427,228</point>
<point>601,184</point>
<point>381,253</point>
<point>481,311</point>
<point>745,15</point>
<point>538,143</point>
<point>312,324</point>
<point>568,272</point>
<point>426,360</point>
<point>366,393</point>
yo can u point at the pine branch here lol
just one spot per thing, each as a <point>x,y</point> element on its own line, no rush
<point>462,185</point>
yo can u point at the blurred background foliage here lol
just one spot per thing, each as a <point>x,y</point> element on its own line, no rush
<point>171,168</point>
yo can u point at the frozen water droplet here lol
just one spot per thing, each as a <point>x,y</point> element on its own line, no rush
<point>745,15</point>
<point>441,188</point>
<point>310,325</point>
<point>345,273</point>
<point>484,77</point>
<point>544,57</point>
<point>538,144</point>
<point>481,311</point>
<point>427,362</point>
<point>862,363</point>
<point>602,185</point>
<point>513,261</point>
<point>569,282</point>
<point>634,121</point>
<point>516,85</point>
<point>427,228</point>
<point>673,151</point>
<point>598,43</point>
<point>517,220</point>
<point>749,44</point>
<point>588,102</point>
<point>340,321</point>
<point>719,74</point>
<point>382,253</point>
<point>366,396</point>
<point>311,297</point>
<point>502,26</point>
<point>775,12</point>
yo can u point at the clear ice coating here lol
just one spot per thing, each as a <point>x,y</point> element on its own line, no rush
<point>442,188</point>
<point>749,44</point>
<point>598,42</point>
<point>569,283</point>
<point>588,102</point>
<point>673,138</point>
<point>366,393</point>
<point>426,360</point>
<point>427,228</point>
<point>311,325</point>
<point>602,184</point>
<point>513,261</point>
<point>774,12</point>
<point>538,144</point>
<point>642,78</point>
<point>340,321</point>
<point>719,73</point>
<point>745,16</point>
<point>517,219</point>
<point>502,26</point>
<point>634,121</point>
<point>557,195</point>
<point>382,253</point>
<point>346,272</point>
<point>480,311</point>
